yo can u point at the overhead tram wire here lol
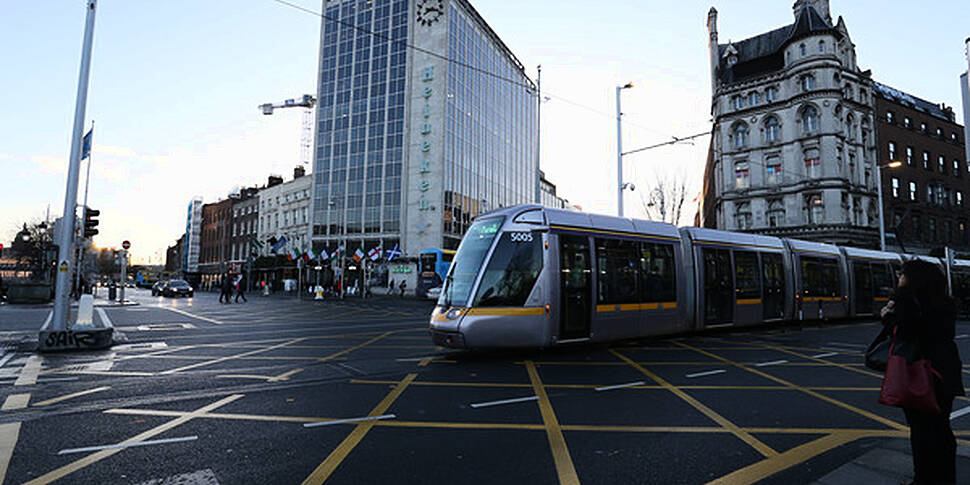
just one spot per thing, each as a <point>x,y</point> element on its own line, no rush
<point>530,89</point>
<point>675,141</point>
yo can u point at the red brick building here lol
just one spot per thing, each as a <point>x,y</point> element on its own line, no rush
<point>214,245</point>
<point>925,200</point>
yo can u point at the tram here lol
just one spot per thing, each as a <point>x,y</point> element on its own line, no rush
<point>534,277</point>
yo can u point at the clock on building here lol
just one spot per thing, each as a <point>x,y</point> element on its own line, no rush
<point>429,11</point>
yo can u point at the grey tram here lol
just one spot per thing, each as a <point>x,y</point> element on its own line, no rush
<point>529,276</point>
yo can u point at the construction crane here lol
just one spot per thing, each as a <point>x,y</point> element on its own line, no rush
<point>307,102</point>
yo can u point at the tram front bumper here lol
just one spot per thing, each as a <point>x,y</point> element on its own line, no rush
<point>490,328</point>
<point>444,327</point>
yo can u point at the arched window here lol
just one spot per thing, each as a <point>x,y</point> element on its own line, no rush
<point>850,127</point>
<point>754,98</point>
<point>772,130</point>
<point>810,119</point>
<point>740,135</point>
<point>771,94</point>
<point>816,209</point>
<point>808,82</point>
<point>776,213</point>
<point>821,46</point>
<point>737,102</point>
<point>742,215</point>
<point>801,49</point>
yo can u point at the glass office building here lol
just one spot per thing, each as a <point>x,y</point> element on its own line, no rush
<point>425,119</point>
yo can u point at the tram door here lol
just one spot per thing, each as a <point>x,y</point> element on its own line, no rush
<point>773,274</point>
<point>863,287</point>
<point>576,287</point>
<point>718,287</point>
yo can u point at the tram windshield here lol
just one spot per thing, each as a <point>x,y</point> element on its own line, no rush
<point>468,261</point>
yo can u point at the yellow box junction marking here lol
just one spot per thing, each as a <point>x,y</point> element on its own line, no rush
<point>9,433</point>
<point>30,371</point>
<point>560,452</point>
<point>71,396</point>
<point>329,465</point>
<point>231,357</point>
<point>15,401</point>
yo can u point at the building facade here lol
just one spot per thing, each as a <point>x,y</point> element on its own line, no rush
<point>214,242</point>
<point>245,218</point>
<point>193,236</point>
<point>284,211</point>
<point>413,143</point>
<point>925,199</point>
<point>173,255</point>
<point>793,148</point>
<point>548,196</point>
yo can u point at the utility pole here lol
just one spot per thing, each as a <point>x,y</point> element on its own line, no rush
<point>538,133</point>
<point>84,218</point>
<point>65,242</point>
<point>620,186</point>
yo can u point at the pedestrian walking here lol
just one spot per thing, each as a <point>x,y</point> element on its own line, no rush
<point>390,287</point>
<point>404,285</point>
<point>226,289</point>
<point>921,313</point>
<point>240,288</point>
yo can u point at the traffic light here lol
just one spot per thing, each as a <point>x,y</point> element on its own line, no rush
<point>90,223</point>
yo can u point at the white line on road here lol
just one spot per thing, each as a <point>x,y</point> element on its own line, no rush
<point>183,312</point>
<point>6,358</point>
<point>619,386</point>
<point>774,362</point>
<point>349,420</point>
<point>827,354</point>
<point>959,412</point>
<point>504,401</point>
<point>47,322</point>
<point>708,373</point>
<point>127,445</point>
<point>104,317</point>
<point>136,309</point>
<point>842,344</point>
<point>30,371</point>
<point>71,396</point>
<point>837,349</point>
<point>962,336</point>
<point>419,359</point>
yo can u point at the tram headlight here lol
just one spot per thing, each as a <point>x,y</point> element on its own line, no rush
<point>453,313</point>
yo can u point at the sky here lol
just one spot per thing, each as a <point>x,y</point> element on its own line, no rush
<point>175,86</point>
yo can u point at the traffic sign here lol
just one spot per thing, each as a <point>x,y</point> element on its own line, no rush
<point>64,267</point>
<point>126,244</point>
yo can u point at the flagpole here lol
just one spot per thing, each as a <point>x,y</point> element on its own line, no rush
<point>84,208</point>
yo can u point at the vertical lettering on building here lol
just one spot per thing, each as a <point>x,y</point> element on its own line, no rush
<point>424,184</point>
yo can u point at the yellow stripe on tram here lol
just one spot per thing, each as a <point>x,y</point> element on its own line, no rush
<point>749,301</point>
<point>629,307</point>
<point>506,311</point>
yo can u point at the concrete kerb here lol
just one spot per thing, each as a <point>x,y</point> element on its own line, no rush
<point>97,335</point>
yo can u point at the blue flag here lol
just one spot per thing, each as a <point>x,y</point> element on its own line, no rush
<point>86,145</point>
<point>393,253</point>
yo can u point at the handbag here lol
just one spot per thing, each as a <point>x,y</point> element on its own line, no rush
<point>908,384</point>
<point>877,355</point>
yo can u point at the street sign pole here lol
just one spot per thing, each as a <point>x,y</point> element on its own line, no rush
<point>124,269</point>
<point>65,242</point>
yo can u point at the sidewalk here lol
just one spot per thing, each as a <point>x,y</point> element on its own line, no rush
<point>889,463</point>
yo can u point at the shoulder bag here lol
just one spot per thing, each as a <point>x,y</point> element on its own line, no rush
<point>908,383</point>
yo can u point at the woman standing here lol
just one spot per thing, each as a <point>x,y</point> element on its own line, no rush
<point>922,313</point>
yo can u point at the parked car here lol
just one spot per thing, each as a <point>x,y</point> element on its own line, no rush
<point>177,288</point>
<point>433,293</point>
<point>157,287</point>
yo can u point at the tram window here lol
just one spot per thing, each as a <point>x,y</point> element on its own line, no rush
<point>447,257</point>
<point>820,276</point>
<point>882,280</point>
<point>617,262</point>
<point>746,275</point>
<point>428,262</point>
<point>512,270</point>
<point>658,280</point>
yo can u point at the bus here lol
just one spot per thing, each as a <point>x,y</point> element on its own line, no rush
<point>434,264</point>
<point>148,277</point>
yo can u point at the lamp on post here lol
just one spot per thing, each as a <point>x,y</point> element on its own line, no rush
<point>619,152</point>
<point>882,224</point>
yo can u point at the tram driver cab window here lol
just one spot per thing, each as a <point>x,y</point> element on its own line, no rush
<point>512,271</point>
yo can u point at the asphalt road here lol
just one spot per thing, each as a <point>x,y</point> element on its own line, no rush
<point>273,391</point>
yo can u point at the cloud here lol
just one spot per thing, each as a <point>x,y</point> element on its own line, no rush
<point>49,165</point>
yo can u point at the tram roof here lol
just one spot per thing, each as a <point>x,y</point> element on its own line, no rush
<point>870,254</point>
<point>813,247</point>
<point>585,220</point>
<point>700,235</point>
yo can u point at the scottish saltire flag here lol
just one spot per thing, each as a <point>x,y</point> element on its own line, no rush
<point>86,145</point>
<point>375,254</point>
<point>394,253</point>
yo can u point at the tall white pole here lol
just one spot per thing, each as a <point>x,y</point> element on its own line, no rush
<point>538,133</point>
<point>65,242</point>
<point>882,226</point>
<point>619,156</point>
<point>124,275</point>
<point>84,216</point>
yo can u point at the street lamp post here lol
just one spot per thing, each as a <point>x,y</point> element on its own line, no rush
<point>882,224</point>
<point>619,151</point>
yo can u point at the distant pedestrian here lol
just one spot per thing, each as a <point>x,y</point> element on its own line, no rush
<point>390,287</point>
<point>240,287</point>
<point>921,313</point>
<point>404,285</point>
<point>226,289</point>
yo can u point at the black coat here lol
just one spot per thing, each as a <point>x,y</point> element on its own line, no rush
<point>932,330</point>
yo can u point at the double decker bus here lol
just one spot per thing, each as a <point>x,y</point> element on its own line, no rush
<point>434,264</point>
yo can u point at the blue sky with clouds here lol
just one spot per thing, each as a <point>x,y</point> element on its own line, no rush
<point>175,86</point>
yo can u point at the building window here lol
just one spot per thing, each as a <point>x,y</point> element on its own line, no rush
<point>737,102</point>
<point>816,210</point>
<point>776,213</point>
<point>917,227</point>
<point>813,167</point>
<point>912,191</point>
<point>772,130</point>
<point>953,137</point>
<point>931,226</point>
<point>956,168</point>
<point>754,99</point>
<point>926,157</point>
<point>821,46</point>
<point>889,117</point>
<point>857,211</point>
<point>810,119</point>
<point>908,123</point>
<point>892,151</point>
<point>909,155</point>
<point>808,82</point>
<point>939,132</point>
<point>742,215</point>
<point>922,127</point>
<point>741,175</point>
<point>771,94</point>
<point>895,185</point>
<point>801,49</point>
<point>740,135</point>
<point>773,171</point>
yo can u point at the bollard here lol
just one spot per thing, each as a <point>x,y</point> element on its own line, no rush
<point>85,312</point>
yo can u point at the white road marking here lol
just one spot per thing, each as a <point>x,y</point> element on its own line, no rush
<point>183,312</point>
<point>708,373</point>
<point>962,336</point>
<point>419,359</point>
<point>16,401</point>
<point>842,344</point>
<point>6,358</point>
<point>47,322</point>
<point>30,371</point>
<point>619,386</point>
<point>71,396</point>
<point>504,401</point>
<point>104,317</point>
<point>136,309</point>
<point>841,350</point>
<point>9,432</point>
<point>126,445</point>
<point>959,412</point>
<point>348,420</point>
<point>827,354</point>
<point>774,362</point>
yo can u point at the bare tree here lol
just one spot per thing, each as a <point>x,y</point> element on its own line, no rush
<point>664,199</point>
